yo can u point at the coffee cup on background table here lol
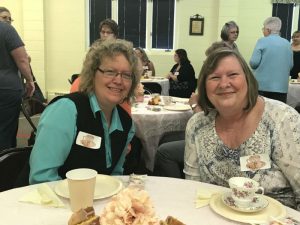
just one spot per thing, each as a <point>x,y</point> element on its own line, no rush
<point>244,190</point>
<point>81,184</point>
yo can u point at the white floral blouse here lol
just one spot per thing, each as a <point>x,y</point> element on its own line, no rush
<point>208,159</point>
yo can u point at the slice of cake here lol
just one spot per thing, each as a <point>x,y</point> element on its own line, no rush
<point>84,217</point>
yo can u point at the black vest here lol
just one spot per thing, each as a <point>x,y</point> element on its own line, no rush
<point>83,157</point>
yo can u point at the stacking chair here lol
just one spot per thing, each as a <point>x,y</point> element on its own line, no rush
<point>152,87</point>
<point>30,107</point>
<point>14,167</point>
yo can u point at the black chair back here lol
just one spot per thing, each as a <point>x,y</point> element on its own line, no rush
<point>172,136</point>
<point>14,167</point>
<point>73,78</point>
<point>152,87</point>
<point>30,107</point>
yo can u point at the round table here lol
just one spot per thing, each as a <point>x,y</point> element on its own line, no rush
<point>170,196</point>
<point>152,125</point>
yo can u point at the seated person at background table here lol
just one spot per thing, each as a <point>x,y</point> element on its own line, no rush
<point>296,54</point>
<point>236,122</point>
<point>108,29</point>
<point>88,129</point>
<point>169,155</point>
<point>182,76</point>
<point>147,64</point>
<point>229,34</point>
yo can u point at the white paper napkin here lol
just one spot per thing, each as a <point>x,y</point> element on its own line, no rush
<point>43,195</point>
<point>203,196</point>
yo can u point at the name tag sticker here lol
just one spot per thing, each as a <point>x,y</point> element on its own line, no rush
<point>255,162</point>
<point>88,140</point>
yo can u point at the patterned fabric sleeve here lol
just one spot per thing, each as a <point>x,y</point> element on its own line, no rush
<point>286,152</point>
<point>191,163</point>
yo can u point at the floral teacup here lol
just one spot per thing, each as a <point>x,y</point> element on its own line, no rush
<point>244,190</point>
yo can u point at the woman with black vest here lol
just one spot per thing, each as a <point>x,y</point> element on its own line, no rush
<point>88,129</point>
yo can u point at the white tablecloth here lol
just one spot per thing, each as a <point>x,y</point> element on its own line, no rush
<point>164,83</point>
<point>151,126</point>
<point>293,96</point>
<point>170,196</point>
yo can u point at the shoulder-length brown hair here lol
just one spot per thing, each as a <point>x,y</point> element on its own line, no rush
<point>210,64</point>
<point>108,49</point>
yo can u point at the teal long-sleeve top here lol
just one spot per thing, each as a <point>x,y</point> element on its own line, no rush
<point>272,60</point>
<point>56,133</point>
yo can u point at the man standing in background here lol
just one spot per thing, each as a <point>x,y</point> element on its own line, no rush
<point>272,60</point>
<point>13,59</point>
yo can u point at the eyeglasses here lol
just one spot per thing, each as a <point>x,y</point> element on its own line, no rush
<point>106,32</point>
<point>111,74</point>
<point>7,18</point>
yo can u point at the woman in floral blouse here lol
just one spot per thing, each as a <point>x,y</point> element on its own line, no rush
<point>236,124</point>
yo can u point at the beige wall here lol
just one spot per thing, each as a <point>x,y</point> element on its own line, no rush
<point>55,33</point>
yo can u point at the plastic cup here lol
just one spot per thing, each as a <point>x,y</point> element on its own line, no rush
<point>81,183</point>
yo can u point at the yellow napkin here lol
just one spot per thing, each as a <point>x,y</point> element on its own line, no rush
<point>203,197</point>
<point>43,195</point>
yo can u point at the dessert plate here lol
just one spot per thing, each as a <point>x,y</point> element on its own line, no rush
<point>275,208</point>
<point>258,204</point>
<point>106,186</point>
<point>177,107</point>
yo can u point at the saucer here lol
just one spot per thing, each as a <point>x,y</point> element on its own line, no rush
<point>275,208</point>
<point>258,203</point>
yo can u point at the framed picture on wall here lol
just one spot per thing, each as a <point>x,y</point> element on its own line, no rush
<point>196,25</point>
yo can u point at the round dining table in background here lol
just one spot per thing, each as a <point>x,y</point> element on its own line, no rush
<point>170,196</point>
<point>163,82</point>
<point>151,125</point>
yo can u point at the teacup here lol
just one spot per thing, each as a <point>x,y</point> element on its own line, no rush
<point>244,190</point>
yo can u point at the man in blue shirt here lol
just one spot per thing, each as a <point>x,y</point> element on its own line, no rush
<point>272,60</point>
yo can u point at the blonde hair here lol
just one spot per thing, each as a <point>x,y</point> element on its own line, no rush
<point>108,49</point>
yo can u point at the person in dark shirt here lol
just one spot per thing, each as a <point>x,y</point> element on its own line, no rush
<point>13,59</point>
<point>182,76</point>
<point>296,55</point>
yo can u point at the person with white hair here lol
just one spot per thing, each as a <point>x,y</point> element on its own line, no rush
<point>272,60</point>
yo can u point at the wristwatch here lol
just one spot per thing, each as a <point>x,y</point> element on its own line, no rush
<point>193,106</point>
